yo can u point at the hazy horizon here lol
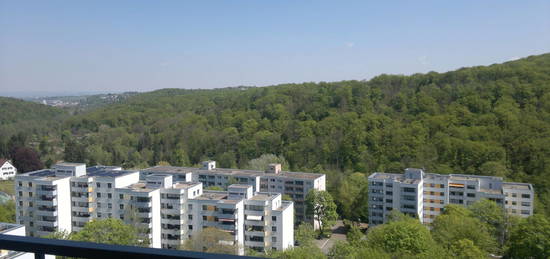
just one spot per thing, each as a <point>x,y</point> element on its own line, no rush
<point>56,47</point>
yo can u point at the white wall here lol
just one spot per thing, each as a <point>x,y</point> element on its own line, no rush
<point>64,204</point>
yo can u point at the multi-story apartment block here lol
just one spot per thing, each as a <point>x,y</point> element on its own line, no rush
<point>424,195</point>
<point>166,212</point>
<point>273,179</point>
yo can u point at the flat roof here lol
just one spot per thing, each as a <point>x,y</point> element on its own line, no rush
<point>180,185</point>
<point>230,171</point>
<point>284,205</point>
<point>166,169</point>
<point>474,177</point>
<point>42,173</point>
<point>396,177</point>
<point>92,169</point>
<point>262,197</point>
<point>218,196</point>
<point>139,187</point>
<point>239,186</point>
<point>110,173</point>
<point>69,164</point>
<point>4,227</point>
<point>491,191</point>
<point>517,186</point>
<point>212,195</point>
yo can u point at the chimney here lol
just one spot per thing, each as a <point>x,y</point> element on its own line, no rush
<point>208,165</point>
<point>273,169</point>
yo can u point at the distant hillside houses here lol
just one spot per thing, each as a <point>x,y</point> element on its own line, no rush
<point>7,170</point>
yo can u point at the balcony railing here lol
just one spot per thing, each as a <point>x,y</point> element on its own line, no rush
<point>42,246</point>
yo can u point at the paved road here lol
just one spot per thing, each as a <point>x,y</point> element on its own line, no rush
<point>338,233</point>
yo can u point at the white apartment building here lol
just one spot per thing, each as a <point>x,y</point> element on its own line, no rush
<point>167,212</point>
<point>273,179</point>
<point>7,170</point>
<point>424,195</point>
<point>16,230</point>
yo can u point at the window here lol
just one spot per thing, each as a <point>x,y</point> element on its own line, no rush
<point>471,195</point>
<point>99,195</point>
<point>190,227</point>
<point>190,206</point>
<point>99,204</point>
<point>408,189</point>
<point>20,183</point>
<point>190,217</point>
<point>273,239</point>
<point>204,217</point>
<point>109,185</point>
<point>525,212</point>
<point>526,204</point>
<point>98,185</point>
<point>121,196</point>
<point>526,196</point>
<point>121,217</point>
<point>204,207</point>
<point>110,205</point>
<point>274,229</point>
<point>514,195</point>
<point>121,206</point>
<point>109,195</point>
<point>409,197</point>
<point>274,218</point>
<point>471,187</point>
<point>30,184</point>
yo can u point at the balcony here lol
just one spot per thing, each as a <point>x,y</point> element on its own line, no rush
<point>52,224</point>
<point>51,213</point>
<point>46,202</point>
<point>139,204</point>
<point>145,214</point>
<point>51,192</point>
<point>41,246</point>
<point>82,199</point>
<point>82,209</point>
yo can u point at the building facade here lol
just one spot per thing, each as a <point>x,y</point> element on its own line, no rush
<point>424,195</point>
<point>166,211</point>
<point>273,179</point>
<point>7,170</point>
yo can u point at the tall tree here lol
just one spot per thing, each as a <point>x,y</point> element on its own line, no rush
<point>458,223</point>
<point>26,160</point>
<point>321,207</point>
<point>304,234</point>
<point>212,240</point>
<point>403,237</point>
<point>108,231</point>
<point>530,238</point>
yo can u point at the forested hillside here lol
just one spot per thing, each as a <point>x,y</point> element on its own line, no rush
<point>25,124</point>
<point>492,120</point>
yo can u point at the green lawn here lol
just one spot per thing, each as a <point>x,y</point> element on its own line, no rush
<point>7,187</point>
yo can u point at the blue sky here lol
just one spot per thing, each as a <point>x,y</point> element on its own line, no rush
<point>110,46</point>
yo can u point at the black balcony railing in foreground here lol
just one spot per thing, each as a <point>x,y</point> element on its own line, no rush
<point>42,246</point>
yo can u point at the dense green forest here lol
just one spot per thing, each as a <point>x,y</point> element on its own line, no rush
<point>488,120</point>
